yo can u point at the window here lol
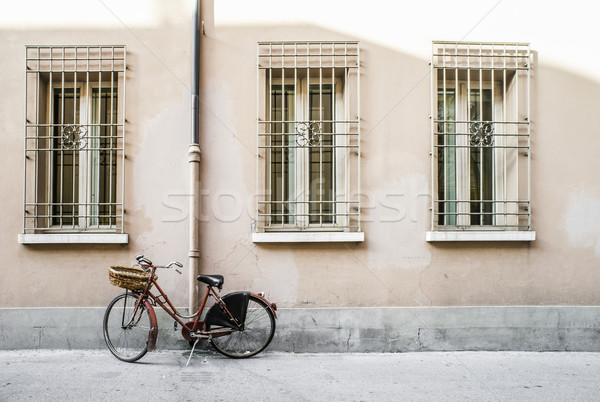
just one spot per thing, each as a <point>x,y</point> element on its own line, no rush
<point>481,137</point>
<point>74,139</point>
<point>308,136</point>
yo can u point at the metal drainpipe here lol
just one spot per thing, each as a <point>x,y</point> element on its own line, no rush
<point>194,164</point>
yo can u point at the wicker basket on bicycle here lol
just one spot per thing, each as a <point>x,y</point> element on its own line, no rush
<point>129,278</point>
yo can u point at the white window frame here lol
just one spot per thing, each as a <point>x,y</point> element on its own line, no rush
<point>302,156</point>
<point>87,177</point>
<point>462,103</point>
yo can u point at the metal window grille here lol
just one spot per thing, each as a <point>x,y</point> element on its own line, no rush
<point>308,136</point>
<point>480,114</point>
<point>74,137</point>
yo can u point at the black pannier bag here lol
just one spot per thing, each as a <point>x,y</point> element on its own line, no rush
<point>237,304</point>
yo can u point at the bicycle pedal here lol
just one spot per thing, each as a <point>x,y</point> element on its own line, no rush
<point>175,326</point>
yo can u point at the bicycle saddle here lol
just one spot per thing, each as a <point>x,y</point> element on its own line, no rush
<point>212,280</point>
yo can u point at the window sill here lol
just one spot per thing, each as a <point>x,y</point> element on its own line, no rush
<point>308,237</point>
<point>74,238</point>
<point>482,235</point>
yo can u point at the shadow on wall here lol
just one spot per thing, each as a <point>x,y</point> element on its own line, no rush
<point>395,144</point>
<point>394,266</point>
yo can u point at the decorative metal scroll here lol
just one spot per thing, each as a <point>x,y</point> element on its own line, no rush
<point>308,134</point>
<point>73,137</point>
<point>482,134</point>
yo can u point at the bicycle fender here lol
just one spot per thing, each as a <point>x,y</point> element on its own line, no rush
<point>153,333</point>
<point>272,306</point>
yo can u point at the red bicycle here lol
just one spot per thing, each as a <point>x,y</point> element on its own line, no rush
<point>238,325</point>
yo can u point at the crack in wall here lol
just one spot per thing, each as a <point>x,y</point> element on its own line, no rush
<point>239,243</point>
<point>419,342</point>
<point>39,340</point>
<point>348,341</point>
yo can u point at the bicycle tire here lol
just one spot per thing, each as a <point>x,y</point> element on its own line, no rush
<point>256,335</point>
<point>126,337</point>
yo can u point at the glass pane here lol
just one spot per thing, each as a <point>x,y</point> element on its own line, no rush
<point>321,156</point>
<point>481,161</point>
<point>283,172</point>
<point>103,157</point>
<point>447,158</point>
<point>65,157</point>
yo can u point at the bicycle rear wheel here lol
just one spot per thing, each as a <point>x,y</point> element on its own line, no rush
<point>126,334</point>
<point>255,336</point>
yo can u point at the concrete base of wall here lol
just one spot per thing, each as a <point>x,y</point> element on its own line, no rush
<point>391,329</point>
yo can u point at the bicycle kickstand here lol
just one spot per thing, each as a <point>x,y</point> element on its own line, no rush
<point>192,352</point>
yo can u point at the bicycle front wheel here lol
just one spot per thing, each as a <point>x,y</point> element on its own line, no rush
<point>126,330</point>
<point>255,336</point>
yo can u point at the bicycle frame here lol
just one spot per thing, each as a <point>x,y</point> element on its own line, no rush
<point>196,330</point>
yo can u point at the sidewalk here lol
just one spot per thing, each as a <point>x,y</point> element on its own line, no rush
<point>481,376</point>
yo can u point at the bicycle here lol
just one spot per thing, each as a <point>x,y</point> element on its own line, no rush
<point>238,325</point>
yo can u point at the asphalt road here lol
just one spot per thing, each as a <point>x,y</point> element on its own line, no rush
<point>93,375</point>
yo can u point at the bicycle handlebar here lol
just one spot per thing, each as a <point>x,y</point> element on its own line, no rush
<point>146,262</point>
<point>177,264</point>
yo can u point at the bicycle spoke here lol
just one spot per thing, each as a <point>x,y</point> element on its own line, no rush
<point>256,334</point>
<point>126,334</point>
